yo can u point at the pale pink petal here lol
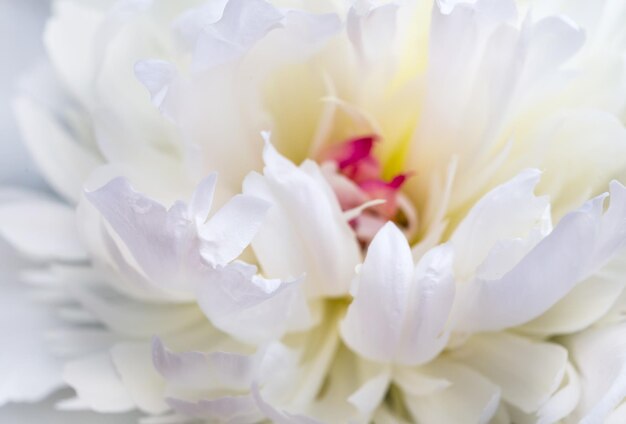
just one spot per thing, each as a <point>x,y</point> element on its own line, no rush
<point>227,409</point>
<point>205,371</point>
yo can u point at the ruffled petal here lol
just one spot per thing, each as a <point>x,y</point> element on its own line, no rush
<point>304,231</point>
<point>246,306</point>
<point>143,225</point>
<point>205,371</point>
<point>231,229</point>
<point>228,409</point>
<point>581,243</point>
<point>243,23</point>
<point>509,211</point>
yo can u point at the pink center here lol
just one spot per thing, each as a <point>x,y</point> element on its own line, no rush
<point>356,178</point>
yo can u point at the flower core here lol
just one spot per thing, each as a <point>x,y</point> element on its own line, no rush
<point>355,175</point>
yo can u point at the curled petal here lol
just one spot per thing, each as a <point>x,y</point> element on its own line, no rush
<point>229,409</point>
<point>231,229</point>
<point>246,306</point>
<point>304,231</point>
<point>582,242</point>
<point>205,371</point>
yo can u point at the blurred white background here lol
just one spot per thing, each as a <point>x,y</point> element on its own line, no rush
<point>21,26</point>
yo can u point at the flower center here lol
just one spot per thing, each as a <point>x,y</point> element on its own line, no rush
<point>355,176</point>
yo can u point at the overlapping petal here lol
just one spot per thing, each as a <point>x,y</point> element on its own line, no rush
<point>581,243</point>
<point>304,231</point>
<point>400,310</point>
<point>495,315</point>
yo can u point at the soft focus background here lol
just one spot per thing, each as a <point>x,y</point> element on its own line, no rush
<point>21,26</point>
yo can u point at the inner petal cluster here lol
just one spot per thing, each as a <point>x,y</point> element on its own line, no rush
<point>355,176</point>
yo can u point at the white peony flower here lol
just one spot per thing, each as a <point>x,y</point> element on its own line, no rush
<point>410,222</point>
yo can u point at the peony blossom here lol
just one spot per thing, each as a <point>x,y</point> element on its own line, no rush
<point>323,212</point>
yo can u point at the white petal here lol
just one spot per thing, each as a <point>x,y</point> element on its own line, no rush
<point>97,384</point>
<point>372,31</point>
<point>205,371</point>
<point>585,304</point>
<point>29,370</point>
<point>598,355</point>
<point>137,319</point>
<point>370,395</point>
<point>618,416</point>
<point>277,415</point>
<point>202,199</point>
<point>304,231</point>
<point>228,409</point>
<point>231,229</point>
<point>128,279</point>
<point>470,398</point>
<point>242,24</point>
<point>528,372</point>
<point>430,303</point>
<point>191,22</point>
<point>565,136</point>
<point>419,384</point>
<point>373,324</point>
<point>553,40</point>
<point>246,306</point>
<point>144,384</point>
<point>563,402</point>
<point>457,40</point>
<point>172,418</point>
<point>399,313</point>
<point>156,76</point>
<point>582,242</point>
<point>53,149</point>
<point>68,38</point>
<point>508,211</point>
<point>142,224</point>
<point>42,229</point>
